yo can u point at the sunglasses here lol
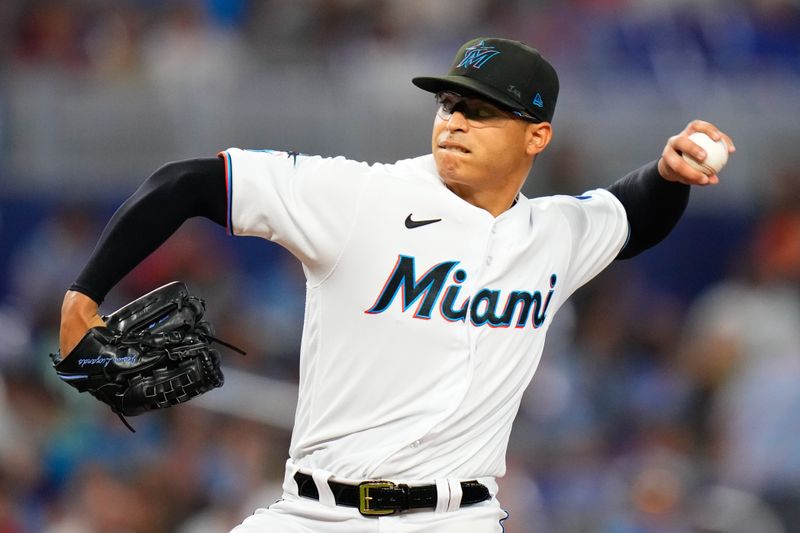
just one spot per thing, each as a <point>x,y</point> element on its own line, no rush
<point>479,113</point>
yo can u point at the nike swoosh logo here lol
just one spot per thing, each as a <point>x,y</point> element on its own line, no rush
<point>411,224</point>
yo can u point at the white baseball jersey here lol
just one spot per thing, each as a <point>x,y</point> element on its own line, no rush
<point>425,315</point>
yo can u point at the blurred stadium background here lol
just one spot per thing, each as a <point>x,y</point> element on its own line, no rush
<point>668,398</point>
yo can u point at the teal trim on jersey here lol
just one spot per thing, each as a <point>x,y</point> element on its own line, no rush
<point>267,151</point>
<point>229,190</point>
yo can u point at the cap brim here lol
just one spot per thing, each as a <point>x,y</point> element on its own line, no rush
<point>435,84</point>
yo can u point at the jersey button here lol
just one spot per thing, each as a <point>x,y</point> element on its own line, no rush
<point>489,260</point>
<point>415,444</point>
<point>494,229</point>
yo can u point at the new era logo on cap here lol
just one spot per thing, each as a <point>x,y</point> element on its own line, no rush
<point>509,73</point>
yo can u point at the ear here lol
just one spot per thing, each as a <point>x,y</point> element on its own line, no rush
<point>537,137</point>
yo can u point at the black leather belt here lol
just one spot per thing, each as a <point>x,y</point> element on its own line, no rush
<point>381,498</point>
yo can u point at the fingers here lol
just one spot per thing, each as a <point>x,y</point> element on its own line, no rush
<point>712,131</point>
<point>673,166</point>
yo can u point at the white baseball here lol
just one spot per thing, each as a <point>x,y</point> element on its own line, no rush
<point>716,154</point>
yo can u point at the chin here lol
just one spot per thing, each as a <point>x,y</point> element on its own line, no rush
<point>449,166</point>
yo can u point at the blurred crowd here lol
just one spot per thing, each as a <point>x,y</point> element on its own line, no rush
<point>120,37</point>
<point>655,409</point>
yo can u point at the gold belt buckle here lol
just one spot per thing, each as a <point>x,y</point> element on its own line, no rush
<point>364,499</point>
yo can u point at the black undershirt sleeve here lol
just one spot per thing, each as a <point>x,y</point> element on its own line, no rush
<point>653,205</point>
<point>170,196</point>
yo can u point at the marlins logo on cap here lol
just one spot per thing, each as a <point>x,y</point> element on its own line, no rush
<point>476,56</point>
<point>509,73</point>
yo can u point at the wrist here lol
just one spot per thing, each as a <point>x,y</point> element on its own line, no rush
<point>79,314</point>
<point>78,304</point>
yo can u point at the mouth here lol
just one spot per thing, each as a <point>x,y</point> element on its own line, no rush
<point>450,146</point>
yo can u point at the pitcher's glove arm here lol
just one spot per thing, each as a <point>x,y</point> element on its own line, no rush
<point>153,353</point>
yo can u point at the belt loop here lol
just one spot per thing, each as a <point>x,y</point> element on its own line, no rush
<point>289,483</point>
<point>442,496</point>
<point>321,478</point>
<point>455,495</point>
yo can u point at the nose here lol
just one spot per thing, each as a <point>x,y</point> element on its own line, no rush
<point>457,122</point>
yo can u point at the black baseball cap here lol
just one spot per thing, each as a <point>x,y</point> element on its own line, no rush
<point>509,73</point>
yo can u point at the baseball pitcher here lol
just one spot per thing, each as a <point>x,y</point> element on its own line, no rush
<point>432,283</point>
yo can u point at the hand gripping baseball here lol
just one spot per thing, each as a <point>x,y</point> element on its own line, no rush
<point>673,164</point>
<point>152,353</point>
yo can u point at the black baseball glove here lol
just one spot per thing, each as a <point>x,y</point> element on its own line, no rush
<point>153,353</point>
